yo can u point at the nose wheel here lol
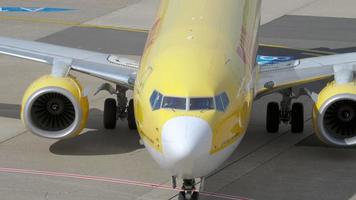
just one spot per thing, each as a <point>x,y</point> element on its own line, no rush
<point>188,192</point>
<point>188,196</point>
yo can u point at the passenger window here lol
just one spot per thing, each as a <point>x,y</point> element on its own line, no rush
<point>201,104</point>
<point>174,103</point>
<point>156,100</point>
<point>222,102</point>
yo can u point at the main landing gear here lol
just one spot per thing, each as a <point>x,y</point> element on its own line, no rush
<point>119,108</point>
<point>285,112</point>
<point>188,190</point>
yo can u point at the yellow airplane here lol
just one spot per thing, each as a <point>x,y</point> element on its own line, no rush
<point>193,88</point>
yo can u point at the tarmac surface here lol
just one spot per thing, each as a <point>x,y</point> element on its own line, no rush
<point>102,164</point>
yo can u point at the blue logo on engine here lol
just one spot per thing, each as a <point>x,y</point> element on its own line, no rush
<point>33,9</point>
<point>265,60</point>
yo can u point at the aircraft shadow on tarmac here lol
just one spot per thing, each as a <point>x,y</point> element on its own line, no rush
<point>99,141</point>
<point>95,141</point>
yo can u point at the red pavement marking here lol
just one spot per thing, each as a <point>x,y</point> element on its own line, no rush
<point>114,180</point>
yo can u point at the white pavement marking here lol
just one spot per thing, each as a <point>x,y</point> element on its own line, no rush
<point>137,16</point>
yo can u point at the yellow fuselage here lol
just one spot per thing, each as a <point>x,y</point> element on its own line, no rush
<point>199,48</point>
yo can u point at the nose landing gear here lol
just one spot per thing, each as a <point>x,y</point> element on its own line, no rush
<point>189,192</point>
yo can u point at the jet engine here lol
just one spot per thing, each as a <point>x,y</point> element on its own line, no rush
<point>55,107</point>
<point>334,114</point>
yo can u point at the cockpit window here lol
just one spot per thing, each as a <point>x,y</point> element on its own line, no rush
<point>225,100</point>
<point>222,102</point>
<point>201,104</point>
<point>174,103</point>
<point>156,100</point>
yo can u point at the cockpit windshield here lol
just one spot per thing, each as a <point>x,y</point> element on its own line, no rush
<point>201,104</point>
<point>156,100</point>
<point>220,102</point>
<point>174,103</point>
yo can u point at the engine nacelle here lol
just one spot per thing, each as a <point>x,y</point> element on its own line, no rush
<point>55,107</point>
<point>334,114</point>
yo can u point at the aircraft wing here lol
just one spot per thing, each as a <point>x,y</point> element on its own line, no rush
<point>114,68</point>
<point>274,77</point>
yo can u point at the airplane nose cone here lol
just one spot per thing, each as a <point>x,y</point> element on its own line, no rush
<point>186,146</point>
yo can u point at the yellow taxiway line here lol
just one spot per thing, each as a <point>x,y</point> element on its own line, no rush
<point>315,52</point>
<point>68,23</point>
<point>79,24</point>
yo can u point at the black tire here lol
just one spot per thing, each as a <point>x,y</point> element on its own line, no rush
<point>297,118</point>
<point>195,196</point>
<point>131,120</point>
<point>181,196</point>
<point>110,110</point>
<point>273,117</point>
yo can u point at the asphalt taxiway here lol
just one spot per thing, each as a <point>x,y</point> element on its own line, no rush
<point>102,164</point>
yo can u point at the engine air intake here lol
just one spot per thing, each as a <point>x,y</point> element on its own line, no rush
<point>52,112</point>
<point>340,118</point>
<point>55,107</point>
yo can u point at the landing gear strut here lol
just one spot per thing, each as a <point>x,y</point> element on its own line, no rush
<point>188,192</point>
<point>114,109</point>
<point>119,108</point>
<point>286,113</point>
